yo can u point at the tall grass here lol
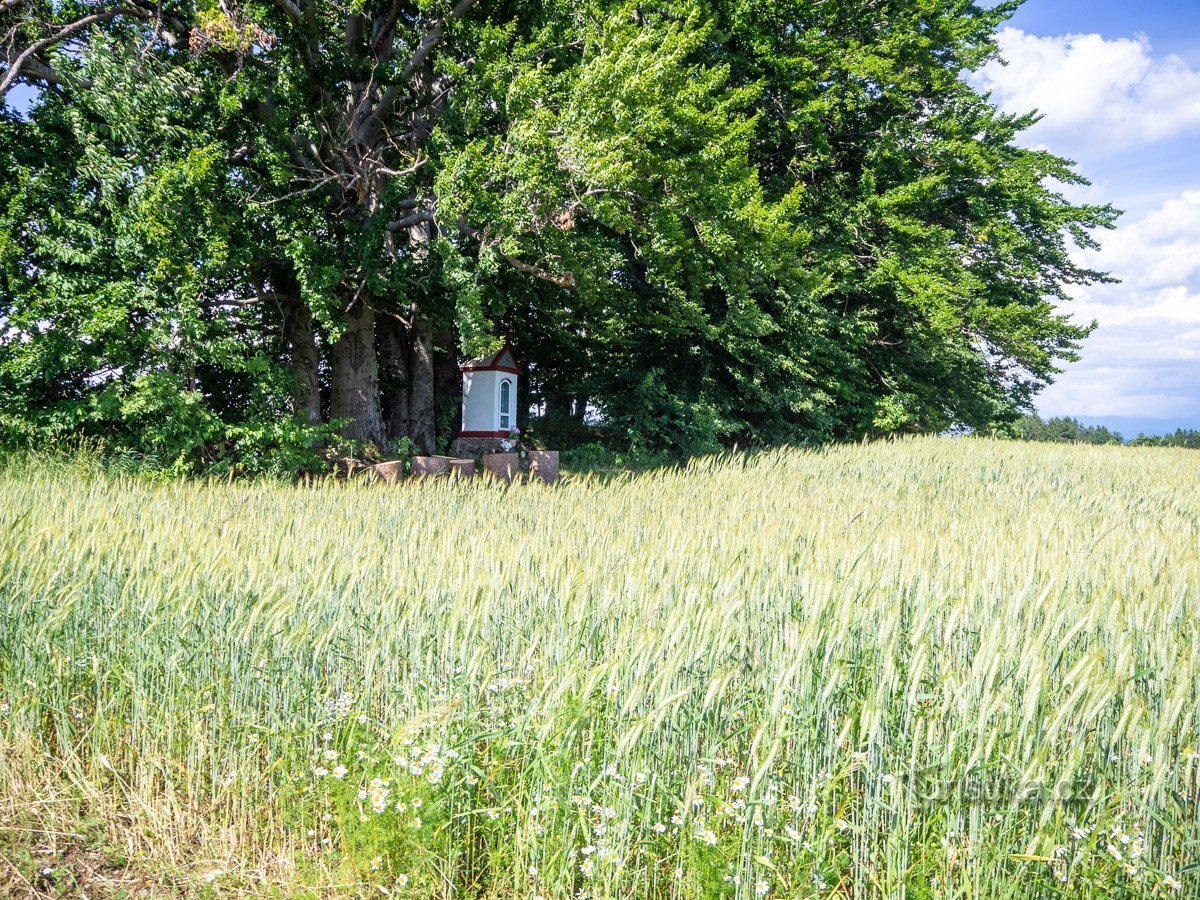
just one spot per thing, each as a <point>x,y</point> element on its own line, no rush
<point>951,668</point>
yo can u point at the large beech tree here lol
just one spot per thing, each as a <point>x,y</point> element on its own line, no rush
<point>712,221</point>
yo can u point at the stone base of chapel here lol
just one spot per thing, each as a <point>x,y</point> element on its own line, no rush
<point>474,447</point>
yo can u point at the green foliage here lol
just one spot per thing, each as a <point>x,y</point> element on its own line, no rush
<point>174,424</point>
<point>1063,430</point>
<point>658,421</point>
<point>595,458</point>
<point>123,266</point>
<point>1187,438</point>
<point>886,267</point>
<point>713,223</point>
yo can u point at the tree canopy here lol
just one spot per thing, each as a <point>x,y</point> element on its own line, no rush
<point>231,232</point>
<point>1186,438</point>
<point>1063,430</point>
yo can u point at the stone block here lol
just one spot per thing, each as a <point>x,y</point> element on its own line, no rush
<point>462,468</point>
<point>390,472</point>
<point>505,466</point>
<point>475,447</point>
<point>431,466</point>
<point>543,464</point>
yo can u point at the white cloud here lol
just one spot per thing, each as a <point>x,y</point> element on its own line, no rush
<point>1104,102</point>
<point>1144,359</point>
<point>1092,90</point>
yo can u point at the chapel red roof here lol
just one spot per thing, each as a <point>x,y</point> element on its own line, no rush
<point>503,360</point>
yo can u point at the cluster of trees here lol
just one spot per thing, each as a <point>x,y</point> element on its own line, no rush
<point>1066,430</point>
<point>1187,438</point>
<point>233,231</point>
<point>1063,430</point>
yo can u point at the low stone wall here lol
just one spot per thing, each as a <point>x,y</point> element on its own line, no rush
<point>542,465</point>
<point>474,447</point>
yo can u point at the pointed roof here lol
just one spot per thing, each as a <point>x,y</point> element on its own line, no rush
<point>503,360</point>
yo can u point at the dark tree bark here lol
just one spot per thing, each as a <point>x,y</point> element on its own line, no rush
<point>275,282</point>
<point>421,410</point>
<point>355,371</point>
<point>556,405</point>
<point>447,384</point>
<point>422,420</point>
<point>580,410</point>
<point>391,345</point>
<point>524,393</point>
<point>305,360</point>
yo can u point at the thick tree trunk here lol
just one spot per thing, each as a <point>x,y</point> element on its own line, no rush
<point>306,388</point>
<point>447,384</point>
<point>356,378</point>
<point>391,345</point>
<point>523,395</point>
<point>555,405</point>
<point>422,421</point>
<point>421,410</point>
<point>277,282</point>
<point>580,410</point>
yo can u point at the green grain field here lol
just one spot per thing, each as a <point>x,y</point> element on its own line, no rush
<point>930,668</point>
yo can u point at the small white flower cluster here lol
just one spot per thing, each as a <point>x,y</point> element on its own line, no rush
<point>377,792</point>
<point>506,683</point>
<point>1112,845</point>
<point>721,801</point>
<point>338,708</point>
<point>1125,848</point>
<point>329,755</point>
<point>429,762</point>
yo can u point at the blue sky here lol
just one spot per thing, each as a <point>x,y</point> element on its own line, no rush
<point>1119,85</point>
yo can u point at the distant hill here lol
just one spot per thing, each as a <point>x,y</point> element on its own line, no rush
<point>1131,426</point>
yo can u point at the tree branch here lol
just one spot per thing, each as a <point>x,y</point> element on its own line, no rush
<point>292,10</point>
<point>353,32</point>
<point>563,280</point>
<point>384,30</point>
<point>303,25</point>
<point>155,11</point>
<point>36,69</point>
<point>417,218</point>
<point>433,37</point>
<point>16,65</point>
